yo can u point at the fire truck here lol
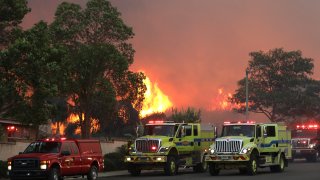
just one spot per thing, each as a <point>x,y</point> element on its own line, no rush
<point>249,145</point>
<point>168,145</point>
<point>306,142</point>
<point>56,158</point>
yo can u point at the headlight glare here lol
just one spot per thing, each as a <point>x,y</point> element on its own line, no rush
<point>212,151</point>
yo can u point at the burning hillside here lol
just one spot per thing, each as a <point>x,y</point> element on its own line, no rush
<point>155,100</point>
<point>221,103</point>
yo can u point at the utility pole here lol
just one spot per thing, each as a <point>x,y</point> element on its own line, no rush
<point>247,89</point>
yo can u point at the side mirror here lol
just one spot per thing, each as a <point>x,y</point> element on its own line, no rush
<point>183,132</point>
<point>65,153</point>
<point>215,132</point>
<point>20,152</point>
<point>265,134</point>
<point>139,130</point>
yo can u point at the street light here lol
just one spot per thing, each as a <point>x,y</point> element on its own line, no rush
<point>247,89</point>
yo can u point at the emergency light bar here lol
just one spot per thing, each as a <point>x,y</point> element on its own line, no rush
<point>310,126</point>
<point>159,122</point>
<point>239,122</point>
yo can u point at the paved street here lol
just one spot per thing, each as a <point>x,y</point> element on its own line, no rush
<point>296,171</point>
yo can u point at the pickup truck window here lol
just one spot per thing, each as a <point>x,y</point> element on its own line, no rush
<point>74,148</point>
<point>43,147</point>
<point>66,146</point>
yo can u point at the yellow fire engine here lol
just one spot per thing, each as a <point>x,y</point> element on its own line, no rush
<point>249,145</point>
<point>169,145</point>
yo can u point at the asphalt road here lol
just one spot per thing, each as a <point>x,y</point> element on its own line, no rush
<point>296,171</point>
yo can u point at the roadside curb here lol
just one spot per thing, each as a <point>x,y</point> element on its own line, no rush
<point>113,173</point>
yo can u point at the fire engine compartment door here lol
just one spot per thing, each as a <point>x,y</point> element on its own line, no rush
<point>269,139</point>
<point>184,139</point>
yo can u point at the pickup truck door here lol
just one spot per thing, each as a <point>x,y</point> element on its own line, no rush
<point>76,157</point>
<point>68,162</point>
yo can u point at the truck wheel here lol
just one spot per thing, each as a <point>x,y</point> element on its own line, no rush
<point>93,173</point>
<point>213,169</point>
<point>54,174</point>
<point>313,157</point>
<point>201,167</point>
<point>134,170</point>
<point>171,167</point>
<point>280,167</point>
<point>252,165</point>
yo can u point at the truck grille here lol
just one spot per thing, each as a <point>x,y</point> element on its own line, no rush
<point>228,146</point>
<point>147,145</point>
<point>300,143</point>
<point>25,164</point>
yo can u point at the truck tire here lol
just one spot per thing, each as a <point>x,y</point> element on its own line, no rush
<point>313,157</point>
<point>134,170</point>
<point>252,165</point>
<point>54,174</point>
<point>213,169</point>
<point>93,173</point>
<point>280,167</point>
<point>171,167</point>
<point>201,167</point>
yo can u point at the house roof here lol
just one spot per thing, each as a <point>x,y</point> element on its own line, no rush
<point>7,121</point>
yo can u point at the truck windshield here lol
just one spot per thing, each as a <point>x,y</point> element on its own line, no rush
<point>160,130</point>
<point>43,147</point>
<point>303,133</point>
<point>238,130</point>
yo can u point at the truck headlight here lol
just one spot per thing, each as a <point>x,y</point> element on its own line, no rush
<point>164,149</point>
<point>132,150</point>
<point>212,151</point>
<point>245,150</point>
<point>312,145</point>
<point>9,166</point>
<point>44,165</point>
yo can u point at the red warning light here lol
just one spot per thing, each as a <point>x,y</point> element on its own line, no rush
<point>11,128</point>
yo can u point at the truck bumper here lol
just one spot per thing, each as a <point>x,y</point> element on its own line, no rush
<point>227,158</point>
<point>28,174</point>
<point>228,161</point>
<point>297,153</point>
<point>145,159</point>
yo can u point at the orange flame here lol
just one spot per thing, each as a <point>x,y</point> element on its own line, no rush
<point>155,100</point>
<point>73,118</point>
<point>221,102</point>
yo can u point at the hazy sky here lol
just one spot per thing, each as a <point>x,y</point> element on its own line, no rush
<point>191,48</point>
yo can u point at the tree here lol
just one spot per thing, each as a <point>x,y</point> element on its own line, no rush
<point>98,62</point>
<point>280,86</point>
<point>11,15</point>
<point>28,69</point>
<point>190,115</point>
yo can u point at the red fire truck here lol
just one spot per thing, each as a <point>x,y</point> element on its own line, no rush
<point>55,158</point>
<point>306,142</point>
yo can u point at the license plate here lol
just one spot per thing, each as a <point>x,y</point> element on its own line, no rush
<point>224,157</point>
<point>144,159</point>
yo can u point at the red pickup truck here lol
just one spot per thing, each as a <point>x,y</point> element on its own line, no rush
<point>55,158</point>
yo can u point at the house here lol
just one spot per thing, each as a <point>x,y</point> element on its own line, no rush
<point>12,131</point>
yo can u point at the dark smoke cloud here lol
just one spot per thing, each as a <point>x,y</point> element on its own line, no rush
<point>193,47</point>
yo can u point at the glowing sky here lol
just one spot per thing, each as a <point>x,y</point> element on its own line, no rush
<point>192,48</point>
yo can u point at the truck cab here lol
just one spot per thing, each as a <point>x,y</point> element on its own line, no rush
<point>249,145</point>
<point>169,145</point>
<point>55,158</point>
<point>306,142</point>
